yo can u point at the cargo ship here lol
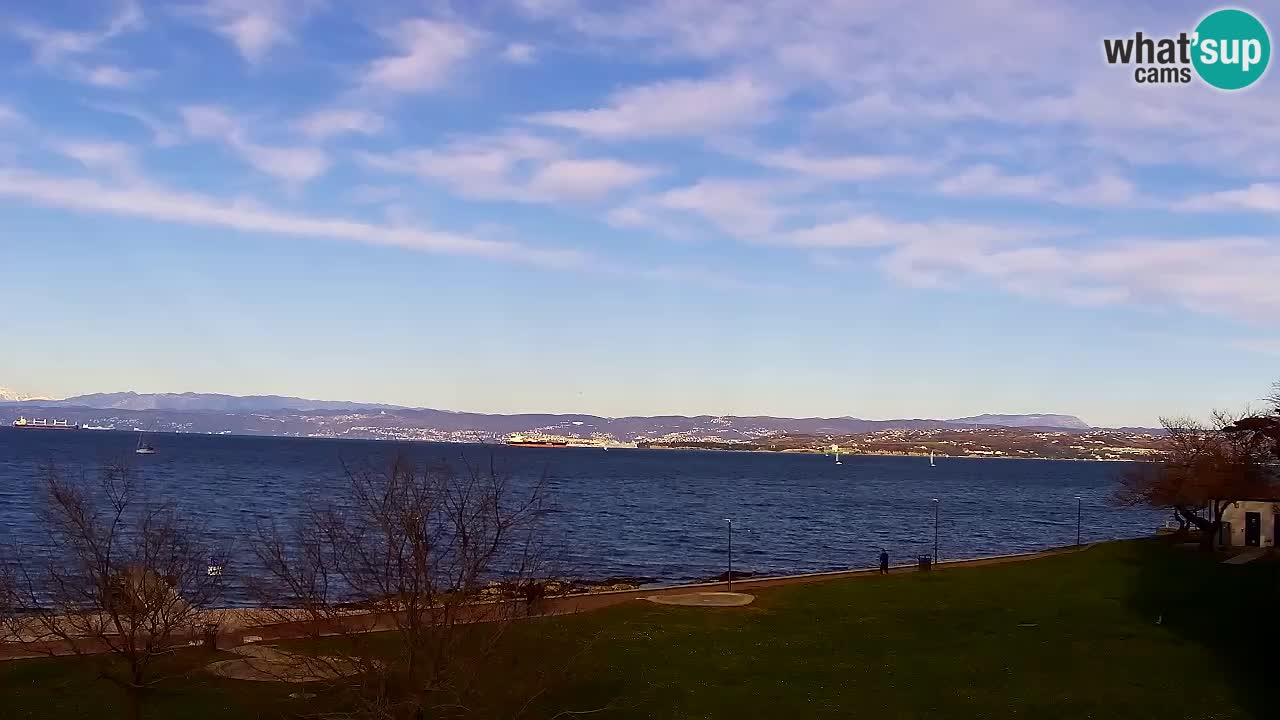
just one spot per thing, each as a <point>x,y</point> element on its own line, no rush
<point>37,424</point>
<point>522,441</point>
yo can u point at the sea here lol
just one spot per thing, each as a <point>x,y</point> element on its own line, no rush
<point>662,515</point>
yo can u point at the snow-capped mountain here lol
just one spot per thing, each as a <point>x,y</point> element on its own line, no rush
<point>11,395</point>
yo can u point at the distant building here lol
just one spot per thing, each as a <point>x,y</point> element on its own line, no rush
<point>1251,523</point>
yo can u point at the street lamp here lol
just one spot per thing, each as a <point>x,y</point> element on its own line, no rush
<point>1078,512</point>
<point>935,531</point>
<point>730,575</point>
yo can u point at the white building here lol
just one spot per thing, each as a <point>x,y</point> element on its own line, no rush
<point>1251,523</point>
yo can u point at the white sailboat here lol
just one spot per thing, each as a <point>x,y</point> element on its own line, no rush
<point>931,459</point>
<point>144,448</point>
<point>837,449</point>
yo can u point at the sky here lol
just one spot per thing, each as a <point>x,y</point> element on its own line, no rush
<point>918,208</point>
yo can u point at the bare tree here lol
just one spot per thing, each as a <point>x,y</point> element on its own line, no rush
<point>118,579</point>
<point>432,556</point>
<point>1207,468</point>
<point>1262,428</point>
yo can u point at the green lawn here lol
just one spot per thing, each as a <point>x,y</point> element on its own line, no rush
<point>1128,630</point>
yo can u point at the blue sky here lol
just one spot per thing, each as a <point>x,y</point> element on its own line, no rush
<point>818,207</point>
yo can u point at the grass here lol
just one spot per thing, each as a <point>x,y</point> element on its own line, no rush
<point>1132,630</point>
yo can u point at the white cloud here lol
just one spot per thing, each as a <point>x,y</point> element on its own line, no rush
<point>937,86</point>
<point>513,166</point>
<point>9,116</point>
<point>742,208</point>
<point>292,164</point>
<point>63,50</point>
<point>162,134</point>
<point>254,34</point>
<point>986,180</point>
<point>644,215</point>
<point>870,231</point>
<point>255,27</point>
<point>51,47</point>
<point>1226,276</point>
<point>127,19</point>
<point>324,124</point>
<point>1105,190</point>
<point>585,178</point>
<point>482,167</point>
<point>544,8</point>
<point>881,107</point>
<point>110,76</point>
<point>162,205</point>
<point>519,53</point>
<point>1231,277</point>
<point>842,167</point>
<point>674,107</point>
<point>113,157</point>
<point>209,122</point>
<point>426,54</point>
<point>933,71</point>
<point>1258,197</point>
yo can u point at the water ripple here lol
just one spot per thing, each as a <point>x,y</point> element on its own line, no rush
<point>655,513</point>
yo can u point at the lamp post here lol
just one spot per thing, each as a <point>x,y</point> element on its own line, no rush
<point>1078,512</point>
<point>935,531</point>
<point>730,575</point>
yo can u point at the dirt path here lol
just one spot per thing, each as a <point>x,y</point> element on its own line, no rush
<point>596,601</point>
<point>1247,556</point>
<point>240,624</point>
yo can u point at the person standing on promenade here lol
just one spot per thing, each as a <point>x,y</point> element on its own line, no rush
<point>884,561</point>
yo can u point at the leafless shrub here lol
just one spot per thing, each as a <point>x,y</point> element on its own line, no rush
<point>118,579</point>
<point>425,553</point>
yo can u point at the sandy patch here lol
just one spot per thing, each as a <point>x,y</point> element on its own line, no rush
<point>705,599</point>
<point>269,664</point>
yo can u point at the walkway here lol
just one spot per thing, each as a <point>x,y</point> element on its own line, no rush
<point>1247,556</point>
<point>238,624</point>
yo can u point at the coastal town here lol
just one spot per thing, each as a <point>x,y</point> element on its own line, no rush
<point>708,433</point>
<point>989,442</point>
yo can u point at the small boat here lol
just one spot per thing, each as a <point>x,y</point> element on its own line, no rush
<point>837,449</point>
<point>144,448</point>
<point>931,459</point>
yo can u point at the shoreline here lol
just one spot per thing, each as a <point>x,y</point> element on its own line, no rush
<point>891,455</point>
<point>616,448</point>
<point>250,630</point>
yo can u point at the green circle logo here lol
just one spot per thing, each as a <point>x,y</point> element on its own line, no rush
<point>1232,49</point>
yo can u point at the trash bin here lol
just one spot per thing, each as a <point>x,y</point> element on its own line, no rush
<point>926,563</point>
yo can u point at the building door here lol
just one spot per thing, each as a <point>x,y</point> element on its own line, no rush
<point>1252,529</point>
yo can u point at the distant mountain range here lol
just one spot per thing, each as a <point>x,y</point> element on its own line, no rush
<point>291,416</point>
<point>1066,422</point>
<point>207,401</point>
